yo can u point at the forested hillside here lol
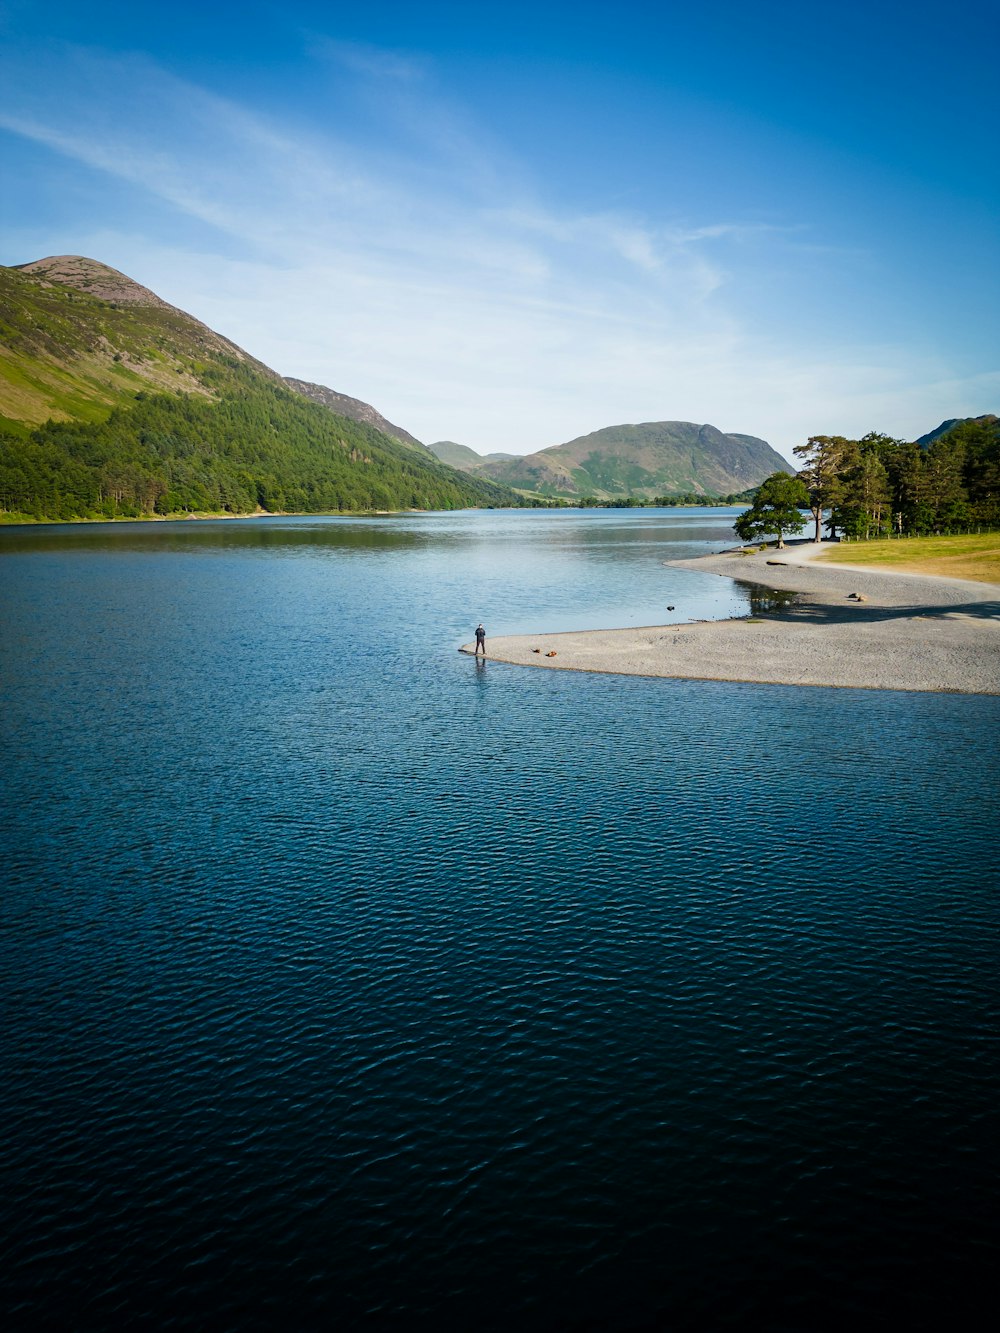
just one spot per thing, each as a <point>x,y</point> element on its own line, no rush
<point>127,407</point>
<point>257,446</point>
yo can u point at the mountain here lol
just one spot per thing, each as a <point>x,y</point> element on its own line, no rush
<point>949,425</point>
<point>354,408</point>
<point>78,337</point>
<point>461,456</point>
<point>97,279</point>
<point>653,458</point>
<point>114,403</point>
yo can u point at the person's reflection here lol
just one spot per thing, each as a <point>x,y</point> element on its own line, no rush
<point>481,669</point>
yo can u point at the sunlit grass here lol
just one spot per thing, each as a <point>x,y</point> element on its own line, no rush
<point>974,556</point>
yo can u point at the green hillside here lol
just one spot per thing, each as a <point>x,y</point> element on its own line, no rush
<point>456,455</point>
<point>114,404</point>
<point>67,354</point>
<point>642,461</point>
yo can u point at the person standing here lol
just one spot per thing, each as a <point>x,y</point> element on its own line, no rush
<point>480,640</point>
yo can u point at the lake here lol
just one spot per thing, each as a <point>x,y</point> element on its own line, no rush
<point>350,982</point>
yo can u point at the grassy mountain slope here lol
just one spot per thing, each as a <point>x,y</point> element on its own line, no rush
<point>71,352</point>
<point>653,458</point>
<point>113,403</point>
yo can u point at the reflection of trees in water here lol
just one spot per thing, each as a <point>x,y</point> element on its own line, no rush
<point>764,601</point>
<point>275,533</point>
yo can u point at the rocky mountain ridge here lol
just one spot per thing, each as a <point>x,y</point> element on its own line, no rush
<point>92,278</point>
<point>354,408</point>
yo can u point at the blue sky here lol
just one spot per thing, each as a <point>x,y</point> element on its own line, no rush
<point>512,224</point>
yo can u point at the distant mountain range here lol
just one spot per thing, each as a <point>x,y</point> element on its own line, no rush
<point>115,403</point>
<point>461,456</point>
<point>642,461</point>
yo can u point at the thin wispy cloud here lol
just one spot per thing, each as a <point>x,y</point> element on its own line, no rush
<point>433,276</point>
<point>372,62</point>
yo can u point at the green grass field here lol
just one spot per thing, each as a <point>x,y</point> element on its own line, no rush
<point>970,557</point>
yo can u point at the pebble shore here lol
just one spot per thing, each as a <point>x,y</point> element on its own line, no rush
<point>848,626</point>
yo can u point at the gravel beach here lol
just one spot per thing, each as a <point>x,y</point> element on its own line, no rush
<point>847,626</point>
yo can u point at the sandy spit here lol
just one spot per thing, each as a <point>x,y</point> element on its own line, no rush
<point>910,632</point>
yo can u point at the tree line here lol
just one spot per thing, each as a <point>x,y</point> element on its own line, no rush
<point>879,486</point>
<point>674,500</point>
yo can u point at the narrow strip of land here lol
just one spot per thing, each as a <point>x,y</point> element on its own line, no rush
<point>848,626</point>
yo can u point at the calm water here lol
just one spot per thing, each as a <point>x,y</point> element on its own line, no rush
<point>349,983</point>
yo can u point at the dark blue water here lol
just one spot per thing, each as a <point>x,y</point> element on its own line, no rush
<point>351,984</point>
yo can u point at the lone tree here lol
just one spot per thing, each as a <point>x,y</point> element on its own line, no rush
<point>775,509</point>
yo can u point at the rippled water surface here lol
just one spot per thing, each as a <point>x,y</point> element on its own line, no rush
<point>351,983</point>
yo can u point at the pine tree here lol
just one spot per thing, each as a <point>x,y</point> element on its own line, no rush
<point>823,457</point>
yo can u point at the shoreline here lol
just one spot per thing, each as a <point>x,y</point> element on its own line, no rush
<point>208,517</point>
<point>901,631</point>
